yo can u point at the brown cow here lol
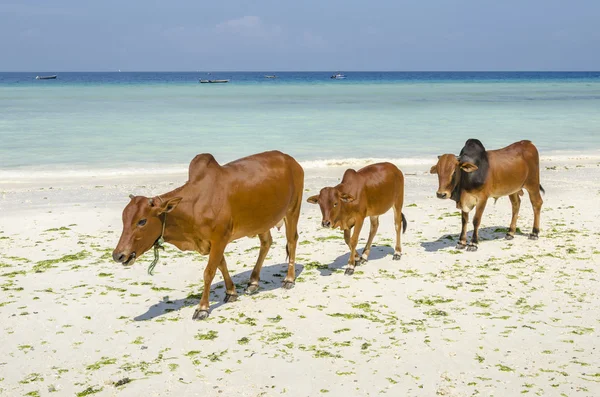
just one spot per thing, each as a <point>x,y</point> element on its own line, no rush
<point>219,204</point>
<point>476,175</point>
<point>370,191</point>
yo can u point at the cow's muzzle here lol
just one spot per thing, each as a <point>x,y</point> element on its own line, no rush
<point>326,224</point>
<point>442,195</point>
<point>126,260</point>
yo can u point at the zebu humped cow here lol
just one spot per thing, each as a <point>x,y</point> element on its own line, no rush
<point>368,192</point>
<point>219,204</point>
<point>475,175</point>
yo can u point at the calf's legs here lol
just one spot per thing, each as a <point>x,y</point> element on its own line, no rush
<point>515,200</point>
<point>374,225</point>
<point>353,241</point>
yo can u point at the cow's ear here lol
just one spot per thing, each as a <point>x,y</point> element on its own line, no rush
<point>346,198</point>
<point>169,205</point>
<point>433,169</point>
<point>468,167</point>
<point>313,199</point>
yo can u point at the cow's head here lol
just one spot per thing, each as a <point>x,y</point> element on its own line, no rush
<point>142,226</point>
<point>332,202</point>
<point>447,169</point>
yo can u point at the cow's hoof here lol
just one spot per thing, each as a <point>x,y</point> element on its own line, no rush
<point>461,246</point>
<point>472,247</point>
<point>533,236</point>
<point>200,314</point>
<point>288,284</point>
<point>362,261</point>
<point>396,257</point>
<point>349,271</point>
<point>509,236</point>
<point>230,298</point>
<point>251,289</point>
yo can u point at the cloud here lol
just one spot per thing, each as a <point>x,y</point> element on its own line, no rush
<point>248,26</point>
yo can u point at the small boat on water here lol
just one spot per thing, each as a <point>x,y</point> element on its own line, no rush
<point>338,76</point>
<point>272,76</point>
<point>214,81</point>
<point>45,77</point>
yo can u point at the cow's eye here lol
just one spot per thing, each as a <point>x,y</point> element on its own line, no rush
<point>142,222</point>
<point>335,204</point>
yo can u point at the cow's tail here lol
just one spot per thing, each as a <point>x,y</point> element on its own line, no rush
<point>404,224</point>
<point>542,189</point>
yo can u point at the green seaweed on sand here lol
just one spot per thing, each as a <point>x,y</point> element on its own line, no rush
<point>210,335</point>
<point>103,361</point>
<point>42,266</point>
<point>89,391</point>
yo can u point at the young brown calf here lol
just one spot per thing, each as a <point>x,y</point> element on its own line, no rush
<point>370,191</point>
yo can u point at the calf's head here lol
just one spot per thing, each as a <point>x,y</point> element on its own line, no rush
<point>448,171</point>
<point>332,202</point>
<point>142,226</point>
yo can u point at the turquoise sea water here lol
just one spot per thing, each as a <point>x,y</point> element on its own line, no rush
<point>107,121</point>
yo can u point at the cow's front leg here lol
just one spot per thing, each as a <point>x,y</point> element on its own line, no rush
<point>265,244</point>
<point>353,243</point>
<point>347,237</point>
<point>374,225</point>
<point>476,222</point>
<point>231,293</point>
<point>462,240</point>
<point>214,260</point>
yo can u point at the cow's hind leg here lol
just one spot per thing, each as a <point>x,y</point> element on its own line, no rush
<point>231,293</point>
<point>265,243</point>
<point>291,234</point>
<point>400,226</point>
<point>536,203</point>
<point>515,200</point>
<point>365,254</point>
<point>476,222</point>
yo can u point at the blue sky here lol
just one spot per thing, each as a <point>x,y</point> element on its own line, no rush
<point>75,35</point>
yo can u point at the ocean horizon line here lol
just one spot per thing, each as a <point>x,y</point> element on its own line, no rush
<point>303,71</point>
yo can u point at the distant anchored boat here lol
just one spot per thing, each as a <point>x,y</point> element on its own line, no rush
<point>45,77</point>
<point>270,76</point>
<point>214,81</point>
<point>338,76</point>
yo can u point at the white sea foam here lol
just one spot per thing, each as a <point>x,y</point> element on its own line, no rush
<point>80,172</point>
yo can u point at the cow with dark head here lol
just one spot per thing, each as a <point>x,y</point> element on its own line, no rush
<point>370,191</point>
<point>476,175</point>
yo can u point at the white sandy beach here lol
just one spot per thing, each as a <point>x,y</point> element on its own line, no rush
<point>515,317</point>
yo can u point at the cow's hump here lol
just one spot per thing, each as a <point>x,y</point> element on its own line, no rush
<point>200,166</point>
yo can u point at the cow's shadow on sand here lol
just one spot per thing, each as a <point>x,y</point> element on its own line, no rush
<point>485,233</point>
<point>271,277</point>
<point>377,252</point>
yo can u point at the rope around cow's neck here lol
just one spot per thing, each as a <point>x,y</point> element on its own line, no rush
<point>158,244</point>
